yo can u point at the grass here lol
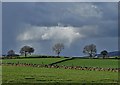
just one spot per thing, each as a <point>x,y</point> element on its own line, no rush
<point>33,60</point>
<point>17,74</point>
<point>13,74</point>
<point>104,63</point>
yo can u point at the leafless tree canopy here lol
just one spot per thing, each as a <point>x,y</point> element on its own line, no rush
<point>90,50</point>
<point>58,48</point>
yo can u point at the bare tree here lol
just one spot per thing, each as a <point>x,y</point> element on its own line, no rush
<point>90,50</point>
<point>26,50</point>
<point>104,53</point>
<point>58,48</point>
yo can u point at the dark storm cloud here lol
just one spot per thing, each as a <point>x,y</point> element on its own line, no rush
<point>23,22</point>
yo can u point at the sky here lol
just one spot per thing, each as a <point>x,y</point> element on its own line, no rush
<point>75,24</point>
<point>0,28</point>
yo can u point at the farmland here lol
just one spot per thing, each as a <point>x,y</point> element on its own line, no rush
<point>33,60</point>
<point>25,74</point>
<point>104,63</point>
<point>13,74</point>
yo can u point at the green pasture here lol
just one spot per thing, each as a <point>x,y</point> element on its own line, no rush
<point>104,63</point>
<point>16,74</point>
<point>33,60</point>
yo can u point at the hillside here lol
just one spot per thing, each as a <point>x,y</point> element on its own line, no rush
<point>111,54</point>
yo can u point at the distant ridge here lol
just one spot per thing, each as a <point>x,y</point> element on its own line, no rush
<point>114,53</point>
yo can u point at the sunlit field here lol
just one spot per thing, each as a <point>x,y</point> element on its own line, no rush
<point>20,74</point>
<point>103,63</point>
<point>14,74</point>
<point>33,60</point>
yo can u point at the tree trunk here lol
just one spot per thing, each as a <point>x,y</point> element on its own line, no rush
<point>103,56</point>
<point>25,53</point>
<point>90,55</point>
<point>58,54</point>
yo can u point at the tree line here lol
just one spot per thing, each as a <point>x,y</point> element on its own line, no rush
<point>90,50</point>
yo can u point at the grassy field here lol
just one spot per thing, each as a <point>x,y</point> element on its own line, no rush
<point>13,74</point>
<point>104,63</point>
<point>33,60</point>
<point>19,74</point>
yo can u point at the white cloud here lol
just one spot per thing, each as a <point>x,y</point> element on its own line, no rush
<point>62,34</point>
<point>54,34</point>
